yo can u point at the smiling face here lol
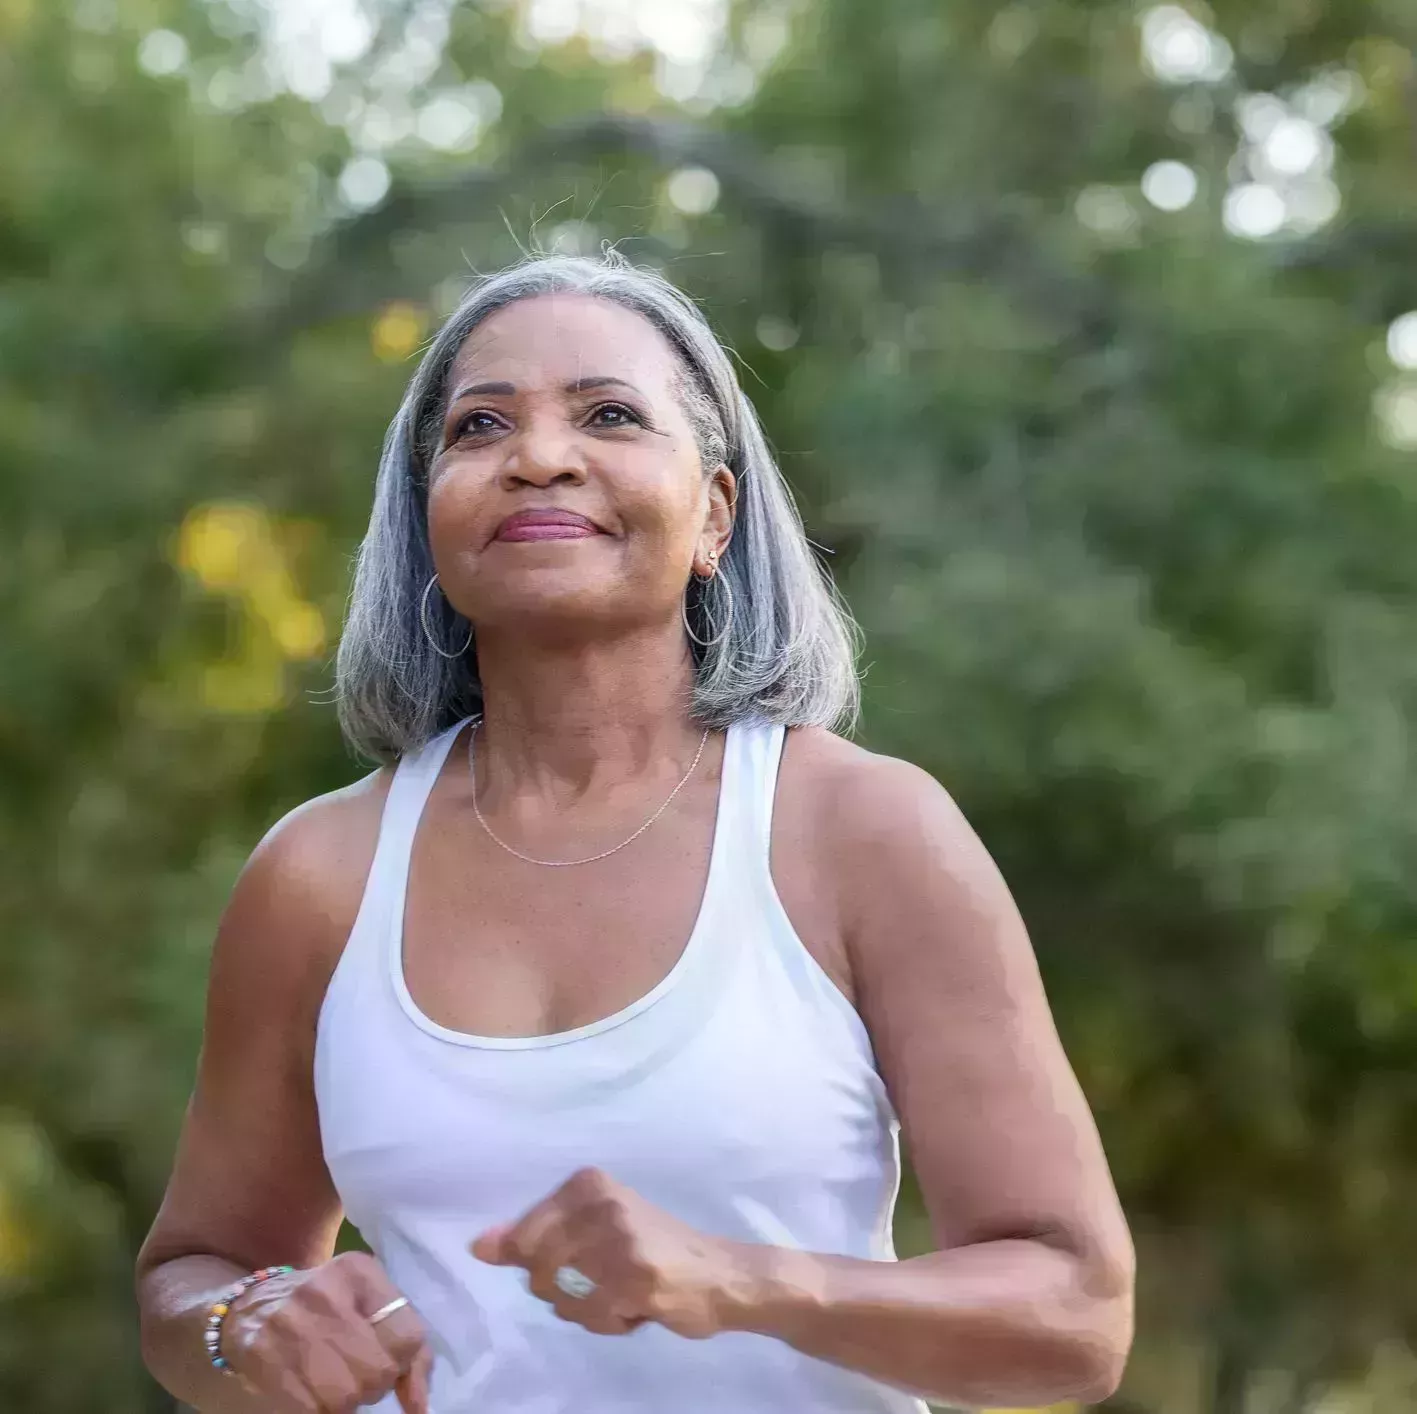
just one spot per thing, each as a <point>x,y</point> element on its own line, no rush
<point>568,488</point>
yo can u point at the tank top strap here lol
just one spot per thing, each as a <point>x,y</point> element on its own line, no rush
<point>756,750</point>
<point>414,777</point>
<point>756,769</point>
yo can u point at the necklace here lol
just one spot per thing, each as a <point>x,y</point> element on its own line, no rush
<point>568,863</point>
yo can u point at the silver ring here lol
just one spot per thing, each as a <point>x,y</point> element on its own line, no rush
<point>575,1284</point>
<point>384,1312</point>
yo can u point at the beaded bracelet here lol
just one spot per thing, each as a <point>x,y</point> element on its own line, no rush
<point>212,1334</point>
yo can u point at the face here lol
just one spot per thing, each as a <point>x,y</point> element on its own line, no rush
<point>568,490</point>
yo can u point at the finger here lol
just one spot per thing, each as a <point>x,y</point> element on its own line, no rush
<point>600,1313</point>
<point>412,1387</point>
<point>554,1253</point>
<point>329,1378</point>
<point>295,1393</point>
<point>604,1309</point>
<point>345,1330</point>
<point>520,1244</point>
<point>373,1369</point>
<point>271,1360</point>
<point>600,1321</point>
<point>490,1246</point>
<point>402,1334</point>
<point>365,1280</point>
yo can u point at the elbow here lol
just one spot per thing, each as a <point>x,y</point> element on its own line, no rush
<point>149,1338</point>
<point>147,1290</point>
<point>1099,1369</point>
<point>1086,1362</point>
<point>1102,1340</point>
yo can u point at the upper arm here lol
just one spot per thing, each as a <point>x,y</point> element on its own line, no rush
<point>1000,1134</point>
<point>249,1181</point>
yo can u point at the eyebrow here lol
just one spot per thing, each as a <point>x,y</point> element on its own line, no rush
<point>507,390</point>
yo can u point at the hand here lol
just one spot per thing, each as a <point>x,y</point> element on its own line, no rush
<point>646,1265</point>
<point>304,1342</point>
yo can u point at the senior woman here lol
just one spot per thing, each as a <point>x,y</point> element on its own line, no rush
<point>599,1009</point>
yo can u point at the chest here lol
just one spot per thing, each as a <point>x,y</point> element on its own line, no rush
<point>496,946</point>
<point>727,1103</point>
<point>493,945</point>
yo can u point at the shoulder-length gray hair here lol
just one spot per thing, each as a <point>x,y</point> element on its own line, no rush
<point>789,650</point>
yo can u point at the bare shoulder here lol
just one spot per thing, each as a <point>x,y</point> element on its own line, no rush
<point>913,885</point>
<point>324,844</point>
<point>858,837</point>
<point>866,802</point>
<point>297,897</point>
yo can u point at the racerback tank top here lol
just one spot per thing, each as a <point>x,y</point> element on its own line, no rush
<point>740,1094</point>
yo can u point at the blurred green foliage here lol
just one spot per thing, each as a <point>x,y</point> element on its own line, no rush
<point>1124,500</point>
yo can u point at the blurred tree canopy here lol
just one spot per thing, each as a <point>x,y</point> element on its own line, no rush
<point>1078,326</point>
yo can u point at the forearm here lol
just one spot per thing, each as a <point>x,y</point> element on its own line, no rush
<point>1002,1323</point>
<point>174,1301</point>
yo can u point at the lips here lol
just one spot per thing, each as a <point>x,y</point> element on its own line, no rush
<point>548,524</point>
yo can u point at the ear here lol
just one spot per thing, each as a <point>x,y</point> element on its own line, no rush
<point>718,522</point>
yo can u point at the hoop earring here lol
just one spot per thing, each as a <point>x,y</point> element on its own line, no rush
<point>727,616</point>
<point>428,633</point>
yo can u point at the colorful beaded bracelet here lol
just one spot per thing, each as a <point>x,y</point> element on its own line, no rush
<point>212,1334</point>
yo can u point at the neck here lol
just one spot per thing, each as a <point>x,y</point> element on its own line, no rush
<point>564,718</point>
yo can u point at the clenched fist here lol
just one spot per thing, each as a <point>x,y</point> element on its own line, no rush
<point>304,1341</point>
<point>644,1264</point>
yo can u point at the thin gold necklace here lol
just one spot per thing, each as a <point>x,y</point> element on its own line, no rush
<point>569,863</point>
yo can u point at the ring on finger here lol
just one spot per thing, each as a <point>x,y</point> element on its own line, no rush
<point>387,1310</point>
<point>576,1284</point>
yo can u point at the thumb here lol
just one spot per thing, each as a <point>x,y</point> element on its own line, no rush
<point>490,1246</point>
<point>412,1386</point>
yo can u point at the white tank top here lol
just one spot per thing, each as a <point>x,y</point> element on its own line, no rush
<point>740,1095</point>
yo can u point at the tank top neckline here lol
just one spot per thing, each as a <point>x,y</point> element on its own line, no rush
<point>429,766</point>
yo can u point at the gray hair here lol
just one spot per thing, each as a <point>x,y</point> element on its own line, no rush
<point>789,651</point>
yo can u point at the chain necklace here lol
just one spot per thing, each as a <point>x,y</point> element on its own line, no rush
<point>568,863</point>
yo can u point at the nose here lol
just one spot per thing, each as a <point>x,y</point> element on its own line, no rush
<point>543,453</point>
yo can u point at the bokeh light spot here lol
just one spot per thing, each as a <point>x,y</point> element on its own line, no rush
<point>214,541</point>
<point>1295,146</point>
<point>1402,340</point>
<point>693,190</point>
<point>1106,212</point>
<point>300,630</point>
<point>776,334</point>
<point>1254,210</point>
<point>364,183</point>
<point>397,331</point>
<point>1396,408</point>
<point>1169,186</point>
<point>1177,48</point>
<point>162,52</point>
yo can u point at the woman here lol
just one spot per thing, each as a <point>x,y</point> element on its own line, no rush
<point>600,1168</point>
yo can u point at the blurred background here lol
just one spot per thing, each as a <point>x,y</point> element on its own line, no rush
<point>1087,333</point>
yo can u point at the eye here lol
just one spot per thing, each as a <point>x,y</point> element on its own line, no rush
<point>475,423</point>
<point>615,415</point>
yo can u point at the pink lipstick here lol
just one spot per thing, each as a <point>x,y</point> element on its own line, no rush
<point>547,524</point>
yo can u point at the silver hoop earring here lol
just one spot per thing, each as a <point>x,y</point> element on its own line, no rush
<point>722,632</point>
<point>428,633</point>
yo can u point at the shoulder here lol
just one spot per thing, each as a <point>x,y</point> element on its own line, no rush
<point>867,802</point>
<point>892,847</point>
<point>297,897</point>
<point>321,848</point>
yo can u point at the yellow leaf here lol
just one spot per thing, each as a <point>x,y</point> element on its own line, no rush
<point>224,544</point>
<point>397,331</point>
<point>300,631</point>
